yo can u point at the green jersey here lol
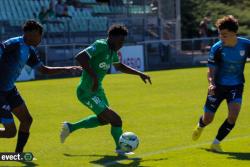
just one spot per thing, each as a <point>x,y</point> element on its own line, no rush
<point>101,59</point>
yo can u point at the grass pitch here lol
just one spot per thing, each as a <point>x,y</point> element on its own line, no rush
<point>163,115</point>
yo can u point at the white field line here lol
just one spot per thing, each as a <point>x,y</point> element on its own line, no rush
<point>166,150</point>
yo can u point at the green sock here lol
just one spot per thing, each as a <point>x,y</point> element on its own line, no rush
<point>89,122</point>
<point>116,133</point>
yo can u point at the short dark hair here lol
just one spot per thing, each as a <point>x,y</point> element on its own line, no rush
<point>228,22</point>
<point>117,29</point>
<point>32,25</point>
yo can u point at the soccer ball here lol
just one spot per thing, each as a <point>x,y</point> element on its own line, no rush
<point>128,141</point>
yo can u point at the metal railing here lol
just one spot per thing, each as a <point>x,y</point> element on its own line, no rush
<point>158,54</point>
<point>164,54</point>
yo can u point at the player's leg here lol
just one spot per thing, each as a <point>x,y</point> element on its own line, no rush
<point>9,130</point>
<point>23,115</point>
<point>204,120</point>
<point>103,115</point>
<point>88,122</point>
<point>97,104</point>
<point>234,100</point>
<point>229,123</point>
<point>114,119</point>
<point>211,106</point>
<point>110,116</point>
<point>19,109</point>
<point>116,128</point>
<point>7,120</point>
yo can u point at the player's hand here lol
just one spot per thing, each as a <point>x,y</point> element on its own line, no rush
<point>76,70</point>
<point>95,84</point>
<point>73,70</point>
<point>211,89</point>
<point>145,78</point>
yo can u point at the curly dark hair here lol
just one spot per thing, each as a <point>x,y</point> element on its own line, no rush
<point>117,29</point>
<point>228,22</point>
<point>32,25</point>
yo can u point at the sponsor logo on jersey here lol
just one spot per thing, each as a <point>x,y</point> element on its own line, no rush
<point>104,66</point>
<point>211,56</point>
<point>242,52</point>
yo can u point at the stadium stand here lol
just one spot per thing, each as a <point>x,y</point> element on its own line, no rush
<point>90,17</point>
<point>89,20</point>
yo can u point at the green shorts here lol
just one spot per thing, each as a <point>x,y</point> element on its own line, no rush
<point>97,102</point>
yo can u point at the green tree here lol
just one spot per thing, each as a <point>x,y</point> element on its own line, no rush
<point>192,12</point>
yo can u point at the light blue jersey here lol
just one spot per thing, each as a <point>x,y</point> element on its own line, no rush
<point>14,55</point>
<point>229,62</point>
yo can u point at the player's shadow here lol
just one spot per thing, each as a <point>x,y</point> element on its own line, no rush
<point>233,155</point>
<point>110,160</point>
<point>28,164</point>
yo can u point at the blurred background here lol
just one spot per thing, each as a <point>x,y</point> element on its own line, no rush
<point>163,34</point>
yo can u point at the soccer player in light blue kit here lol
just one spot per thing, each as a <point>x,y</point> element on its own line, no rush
<point>14,54</point>
<point>226,64</point>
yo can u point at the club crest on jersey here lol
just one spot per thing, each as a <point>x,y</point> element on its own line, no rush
<point>242,53</point>
<point>210,56</point>
<point>92,48</point>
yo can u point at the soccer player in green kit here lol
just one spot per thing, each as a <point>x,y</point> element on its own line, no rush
<point>96,61</point>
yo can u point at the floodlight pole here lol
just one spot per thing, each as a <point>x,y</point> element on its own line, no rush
<point>178,22</point>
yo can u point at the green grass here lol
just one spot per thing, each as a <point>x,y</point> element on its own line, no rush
<point>163,115</point>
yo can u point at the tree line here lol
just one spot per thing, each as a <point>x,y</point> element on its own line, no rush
<point>193,11</point>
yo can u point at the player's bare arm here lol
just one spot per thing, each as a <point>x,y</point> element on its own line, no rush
<point>60,70</point>
<point>210,77</point>
<point>83,59</point>
<point>129,70</point>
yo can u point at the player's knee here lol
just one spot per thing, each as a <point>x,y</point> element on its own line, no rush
<point>27,121</point>
<point>109,116</point>
<point>232,116</point>
<point>232,119</point>
<point>103,121</point>
<point>117,121</point>
<point>207,120</point>
<point>10,133</point>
